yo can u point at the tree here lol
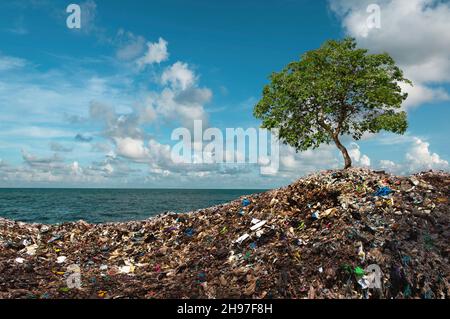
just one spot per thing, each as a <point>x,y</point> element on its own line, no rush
<point>336,90</point>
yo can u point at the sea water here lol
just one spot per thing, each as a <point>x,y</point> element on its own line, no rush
<point>52,206</point>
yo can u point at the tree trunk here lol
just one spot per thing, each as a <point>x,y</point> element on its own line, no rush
<point>347,159</point>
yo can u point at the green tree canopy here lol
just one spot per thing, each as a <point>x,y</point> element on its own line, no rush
<point>336,90</point>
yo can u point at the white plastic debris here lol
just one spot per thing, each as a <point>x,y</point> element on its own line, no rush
<point>125,269</point>
<point>19,260</point>
<point>414,181</point>
<point>26,242</point>
<point>258,225</point>
<point>31,250</point>
<point>44,229</point>
<point>104,267</point>
<point>128,268</point>
<point>61,259</point>
<point>364,283</point>
<point>242,238</point>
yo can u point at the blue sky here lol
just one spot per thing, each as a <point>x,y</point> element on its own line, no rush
<point>95,107</point>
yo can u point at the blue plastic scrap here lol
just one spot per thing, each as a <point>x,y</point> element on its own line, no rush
<point>406,260</point>
<point>245,202</point>
<point>383,191</point>
<point>189,232</point>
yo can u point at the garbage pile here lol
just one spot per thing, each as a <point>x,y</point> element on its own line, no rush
<point>334,234</point>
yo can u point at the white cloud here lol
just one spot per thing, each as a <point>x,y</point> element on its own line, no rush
<point>296,164</point>
<point>148,114</point>
<point>420,94</point>
<point>365,161</point>
<point>130,46</point>
<point>358,158</point>
<point>158,157</point>
<point>160,154</point>
<point>420,157</point>
<point>113,112</point>
<point>131,148</point>
<point>414,32</point>
<point>156,53</point>
<point>194,96</point>
<point>75,168</point>
<point>170,106</point>
<point>390,166</point>
<point>47,170</point>
<point>181,99</point>
<point>179,76</point>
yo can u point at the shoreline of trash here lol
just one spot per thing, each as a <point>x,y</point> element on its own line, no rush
<point>334,234</point>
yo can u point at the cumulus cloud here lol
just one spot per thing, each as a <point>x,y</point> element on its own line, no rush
<point>414,32</point>
<point>325,157</point>
<point>179,76</point>
<point>119,125</point>
<point>156,53</point>
<point>183,108</point>
<point>194,96</point>
<point>131,148</point>
<point>419,157</point>
<point>160,162</point>
<point>181,99</point>
<point>420,94</point>
<point>292,162</point>
<point>122,122</point>
<point>358,158</point>
<point>130,46</point>
<point>390,166</point>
